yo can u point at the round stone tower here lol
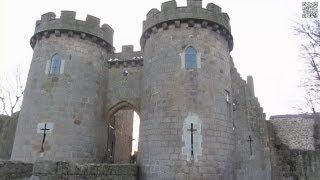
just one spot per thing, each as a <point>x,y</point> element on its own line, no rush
<point>186,131</point>
<point>62,111</point>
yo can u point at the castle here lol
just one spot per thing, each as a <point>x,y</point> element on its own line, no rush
<point>199,118</point>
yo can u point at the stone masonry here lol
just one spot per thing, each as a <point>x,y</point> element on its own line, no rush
<point>10,170</point>
<point>44,170</point>
<point>123,136</point>
<point>196,123</point>
<point>75,108</point>
<point>296,131</point>
<point>7,130</point>
<point>295,152</point>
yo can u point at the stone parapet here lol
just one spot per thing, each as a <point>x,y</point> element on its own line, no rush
<point>126,58</point>
<point>124,63</point>
<point>90,28</point>
<point>15,170</point>
<point>211,17</point>
<point>66,170</point>
<point>295,116</point>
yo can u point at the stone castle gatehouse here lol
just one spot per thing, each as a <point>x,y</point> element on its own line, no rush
<point>199,118</point>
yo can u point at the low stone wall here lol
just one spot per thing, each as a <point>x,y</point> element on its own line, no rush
<point>292,164</point>
<point>300,164</point>
<point>65,170</point>
<point>295,131</point>
<point>14,170</point>
<point>8,126</point>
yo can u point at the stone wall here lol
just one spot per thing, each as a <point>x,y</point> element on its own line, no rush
<point>123,136</point>
<point>124,80</point>
<point>295,131</point>
<point>7,131</point>
<point>65,170</point>
<point>292,164</point>
<point>123,96</point>
<point>248,123</point>
<point>14,170</point>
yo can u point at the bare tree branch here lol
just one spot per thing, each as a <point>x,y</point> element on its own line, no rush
<point>309,32</point>
<point>11,92</point>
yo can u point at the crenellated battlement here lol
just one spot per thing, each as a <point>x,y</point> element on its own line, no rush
<point>126,58</point>
<point>211,17</point>
<point>67,23</point>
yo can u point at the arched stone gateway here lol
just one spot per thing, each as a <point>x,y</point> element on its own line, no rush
<point>122,100</point>
<point>119,106</point>
<point>120,122</point>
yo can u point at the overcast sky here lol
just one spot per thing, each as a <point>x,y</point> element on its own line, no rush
<point>264,44</point>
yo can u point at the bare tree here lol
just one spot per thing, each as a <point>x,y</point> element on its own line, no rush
<point>11,92</point>
<point>308,32</point>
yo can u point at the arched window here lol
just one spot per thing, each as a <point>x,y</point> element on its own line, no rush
<point>191,58</point>
<point>55,65</point>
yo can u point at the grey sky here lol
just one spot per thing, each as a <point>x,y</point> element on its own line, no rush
<point>264,44</point>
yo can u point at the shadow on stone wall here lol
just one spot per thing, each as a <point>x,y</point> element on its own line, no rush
<point>291,163</point>
<point>8,126</point>
<point>316,132</point>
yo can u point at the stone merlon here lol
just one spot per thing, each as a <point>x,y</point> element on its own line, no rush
<point>210,17</point>
<point>127,57</point>
<point>67,23</point>
<point>250,85</point>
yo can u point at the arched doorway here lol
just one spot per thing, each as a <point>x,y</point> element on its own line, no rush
<point>123,124</point>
